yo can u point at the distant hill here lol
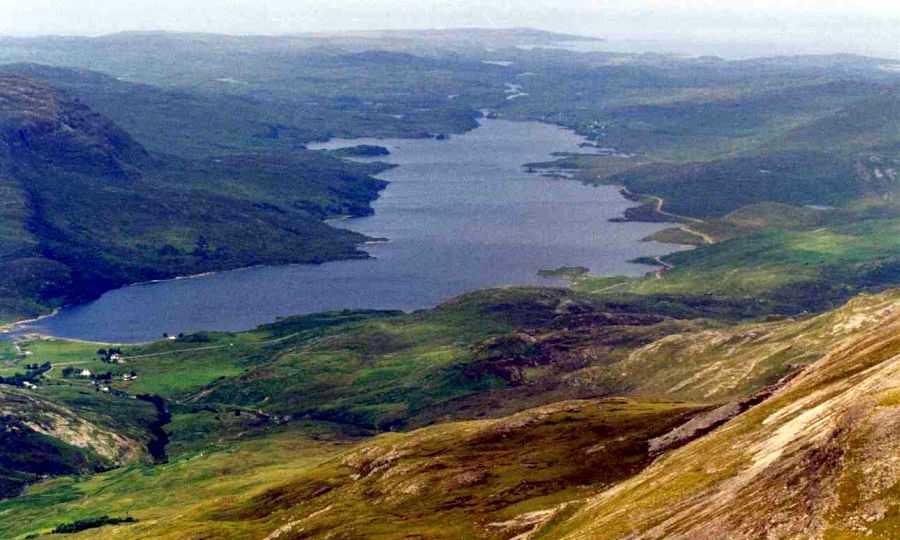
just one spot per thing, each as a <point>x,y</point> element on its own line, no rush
<point>176,122</point>
<point>713,189</point>
<point>43,127</point>
<point>869,124</point>
<point>830,159</point>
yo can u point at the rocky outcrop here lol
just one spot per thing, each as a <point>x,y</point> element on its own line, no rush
<point>702,424</point>
<point>62,423</point>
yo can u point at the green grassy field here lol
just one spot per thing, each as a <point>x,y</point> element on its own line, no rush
<point>803,270</point>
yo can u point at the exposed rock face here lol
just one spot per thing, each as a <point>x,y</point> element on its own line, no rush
<point>704,423</point>
<point>40,439</point>
<point>64,424</point>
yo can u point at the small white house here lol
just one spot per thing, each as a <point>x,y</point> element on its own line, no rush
<point>28,385</point>
<point>85,373</point>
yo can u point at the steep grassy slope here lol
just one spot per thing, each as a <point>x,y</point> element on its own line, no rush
<point>457,479</point>
<point>89,209</point>
<point>816,460</point>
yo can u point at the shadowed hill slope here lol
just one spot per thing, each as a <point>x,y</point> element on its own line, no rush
<point>89,209</point>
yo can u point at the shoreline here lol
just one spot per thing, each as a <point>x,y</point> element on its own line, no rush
<point>361,253</point>
<point>8,328</point>
<point>11,327</point>
<point>640,200</point>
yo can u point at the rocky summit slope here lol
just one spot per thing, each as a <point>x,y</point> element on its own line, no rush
<point>820,458</point>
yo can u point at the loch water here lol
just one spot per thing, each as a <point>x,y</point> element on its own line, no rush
<point>460,214</point>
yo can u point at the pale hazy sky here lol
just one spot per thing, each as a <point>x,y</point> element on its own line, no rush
<point>865,26</point>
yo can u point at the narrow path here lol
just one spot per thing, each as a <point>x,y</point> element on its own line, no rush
<point>663,266</point>
<point>70,382</point>
<point>659,204</point>
<point>209,348</point>
<point>611,287</point>
<point>72,363</point>
<point>53,366</point>
<point>706,238</point>
<point>180,351</point>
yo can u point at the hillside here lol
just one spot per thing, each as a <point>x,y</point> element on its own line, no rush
<point>814,460</point>
<point>708,445</point>
<point>90,209</point>
<point>831,160</point>
<point>868,124</point>
<point>40,438</point>
<point>713,189</point>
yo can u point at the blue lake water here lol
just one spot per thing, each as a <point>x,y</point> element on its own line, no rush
<point>461,214</point>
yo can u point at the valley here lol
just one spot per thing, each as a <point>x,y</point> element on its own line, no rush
<point>744,388</point>
<point>458,215</point>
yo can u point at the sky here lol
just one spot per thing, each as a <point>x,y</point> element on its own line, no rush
<point>861,26</point>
